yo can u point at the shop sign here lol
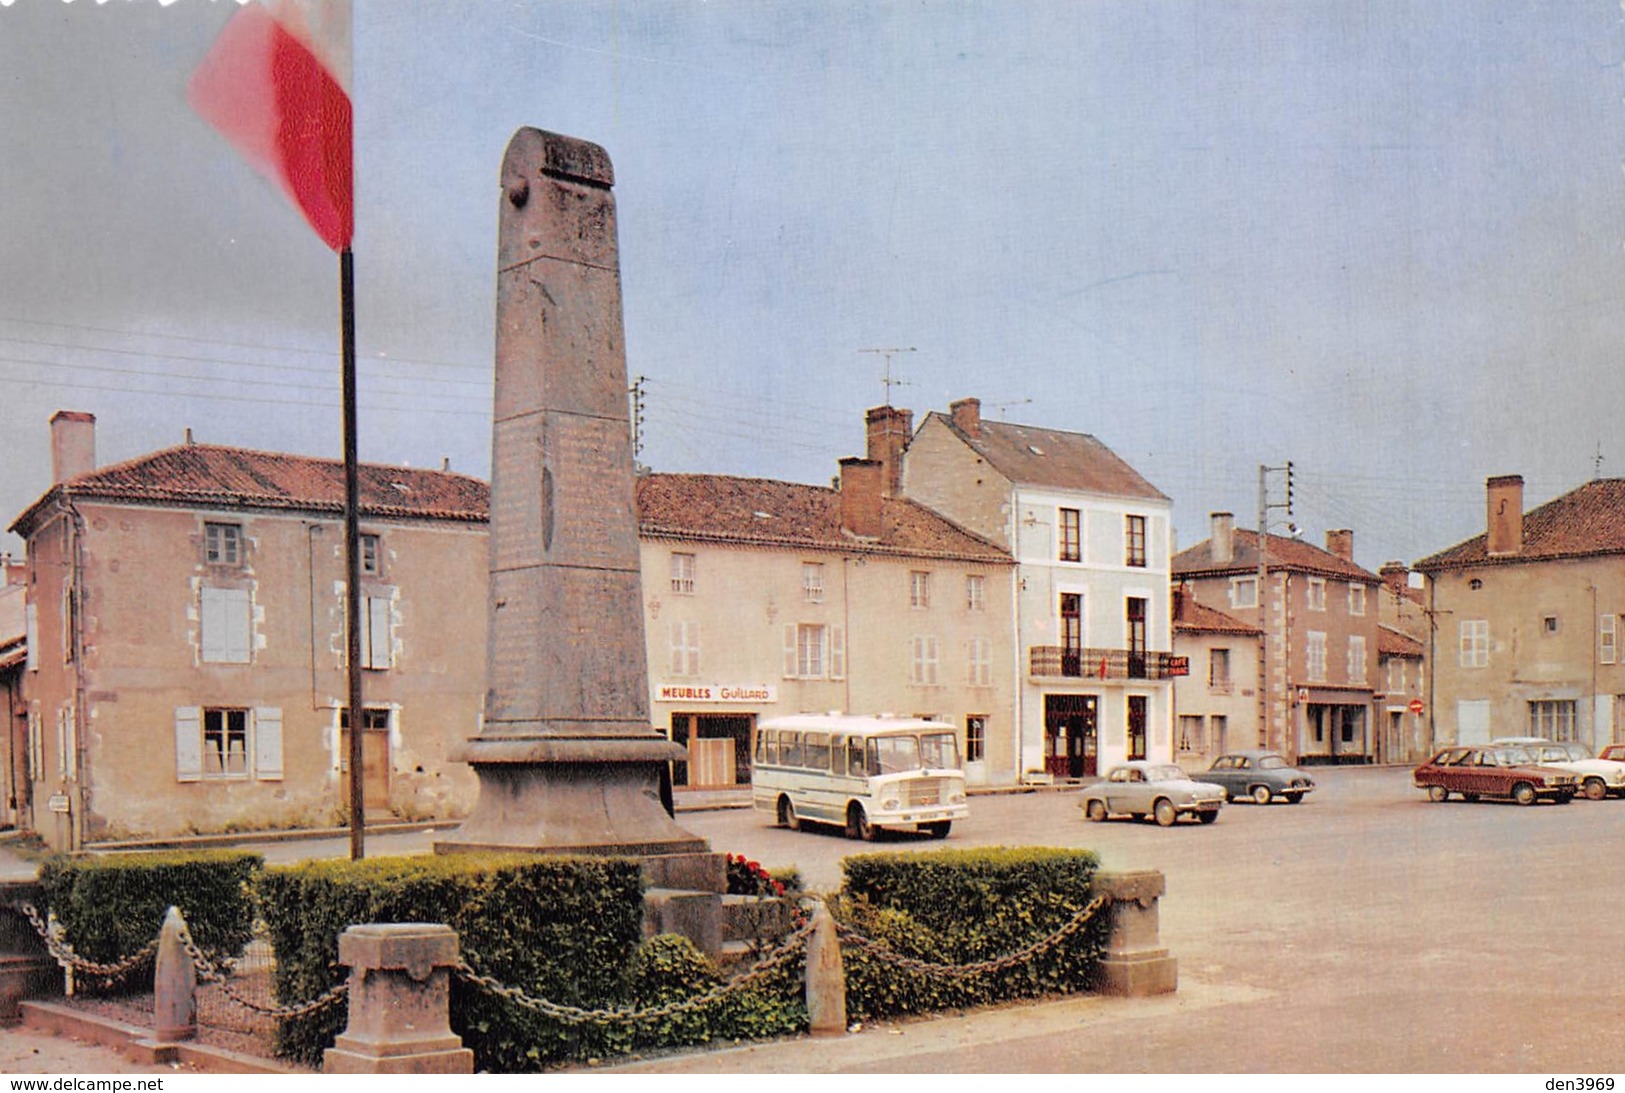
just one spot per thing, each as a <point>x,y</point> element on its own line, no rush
<point>715,692</point>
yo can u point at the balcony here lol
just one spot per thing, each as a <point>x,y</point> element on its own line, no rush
<point>1059,661</point>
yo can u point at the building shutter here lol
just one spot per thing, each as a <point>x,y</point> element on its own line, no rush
<point>225,625</point>
<point>837,652</point>
<point>188,743</point>
<point>790,651</point>
<point>268,743</point>
<point>31,637</point>
<point>378,639</point>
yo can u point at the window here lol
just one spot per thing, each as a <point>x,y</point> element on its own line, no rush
<point>31,637</point>
<point>975,592</point>
<point>1315,592</point>
<point>1356,598</point>
<point>1607,639</point>
<point>1070,536</point>
<point>1315,656</point>
<point>1134,624</point>
<point>224,626</point>
<point>685,648</point>
<point>1244,592</point>
<point>1071,621</point>
<point>1190,732</point>
<point>1218,670</point>
<point>1552,719</point>
<point>1548,625</point>
<point>1134,540</point>
<point>372,563</point>
<point>373,719</point>
<point>814,652</point>
<point>812,582</point>
<point>980,658</point>
<point>1356,665</point>
<point>223,544</point>
<point>975,737</point>
<point>1475,643</point>
<point>682,574</point>
<point>1136,726</point>
<point>1396,676</point>
<point>923,661</point>
<point>919,589</point>
<point>377,632</point>
<point>227,743</point>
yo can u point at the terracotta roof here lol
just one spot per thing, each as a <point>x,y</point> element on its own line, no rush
<point>1292,554</point>
<point>212,476</point>
<point>1586,521</point>
<point>763,512</point>
<point>1392,643</point>
<point>13,614</point>
<point>1030,456</point>
<point>1199,618</point>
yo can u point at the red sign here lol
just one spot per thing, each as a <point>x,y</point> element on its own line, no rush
<point>1179,666</point>
<point>1416,706</point>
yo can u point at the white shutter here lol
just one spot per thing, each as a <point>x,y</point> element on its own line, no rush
<point>1607,649</point>
<point>188,744</point>
<point>790,651</point>
<point>837,652</point>
<point>224,620</point>
<point>268,743</point>
<point>31,637</point>
<point>378,639</point>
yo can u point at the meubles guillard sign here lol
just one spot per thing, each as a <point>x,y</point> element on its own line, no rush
<point>713,692</point>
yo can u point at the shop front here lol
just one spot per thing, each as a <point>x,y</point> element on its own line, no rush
<point>714,724</point>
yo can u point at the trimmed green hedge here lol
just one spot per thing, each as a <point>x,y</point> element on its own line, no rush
<point>111,905</point>
<point>965,907</point>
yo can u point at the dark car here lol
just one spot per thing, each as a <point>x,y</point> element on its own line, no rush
<point>1483,771</point>
<point>1261,775</point>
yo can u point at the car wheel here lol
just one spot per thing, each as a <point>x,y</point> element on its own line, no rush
<point>1293,798</point>
<point>1523,793</point>
<point>1595,790</point>
<point>787,815</point>
<point>1438,793</point>
<point>1261,795</point>
<point>858,825</point>
<point>1208,817</point>
<point>1096,811</point>
<point>1163,810</point>
<point>1469,796</point>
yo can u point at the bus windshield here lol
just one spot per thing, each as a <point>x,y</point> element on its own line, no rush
<point>895,754</point>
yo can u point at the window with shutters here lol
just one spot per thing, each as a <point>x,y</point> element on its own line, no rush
<point>682,574</point>
<point>1607,639</point>
<point>228,743</point>
<point>1474,643</point>
<point>975,592</point>
<point>685,648</point>
<point>1356,659</point>
<point>1314,654</point>
<point>814,652</point>
<point>980,657</point>
<point>378,632</point>
<point>225,625</point>
<point>923,661</point>
<point>919,588</point>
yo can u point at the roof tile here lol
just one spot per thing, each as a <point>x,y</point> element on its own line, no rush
<point>1585,521</point>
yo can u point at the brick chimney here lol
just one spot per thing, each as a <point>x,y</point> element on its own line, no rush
<point>1504,513</point>
<point>862,489</point>
<point>16,572</point>
<point>889,431</point>
<point>967,416</point>
<point>73,444</point>
<point>1341,543</point>
<point>1224,537</point>
<point>1396,577</point>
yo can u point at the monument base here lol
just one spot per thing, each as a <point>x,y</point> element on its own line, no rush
<point>571,796</point>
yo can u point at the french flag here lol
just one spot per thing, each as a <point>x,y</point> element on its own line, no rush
<point>276,85</point>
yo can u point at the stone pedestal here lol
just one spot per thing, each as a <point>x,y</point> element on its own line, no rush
<point>1135,963</point>
<point>26,969</point>
<point>400,991</point>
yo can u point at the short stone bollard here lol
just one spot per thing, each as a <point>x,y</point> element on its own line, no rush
<point>400,996</point>
<point>174,985</point>
<point>826,977</point>
<point>1135,963</point>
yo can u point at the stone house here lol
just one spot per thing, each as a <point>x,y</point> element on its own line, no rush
<point>1404,633</point>
<point>1090,538</point>
<point>185,618</point>
<point>1319,635</point>
<point>767,598</point>
<point>1216,705</point>
<point>1528,642</point>
<point>14,788</point>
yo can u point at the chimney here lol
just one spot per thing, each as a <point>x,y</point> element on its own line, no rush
<point>1341,543</point>
<point>1224,537</point>
<point>15,572</point>
<point>1396,577</point>
<point>862,488</point>
<point>967,416</point>
<point>1504,513</point>
<point>889,430</point>
<point>73,444</point>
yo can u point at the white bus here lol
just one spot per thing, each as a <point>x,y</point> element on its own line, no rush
<point>860,773</point>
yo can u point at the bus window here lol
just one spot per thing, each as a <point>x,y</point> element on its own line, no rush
<point>770,750</point>
<point>939,749</point>
<point>894,754</point>
<point>790,749</point>
<point>854,757</point>
<point>815,750</point>
<point>761,747</point>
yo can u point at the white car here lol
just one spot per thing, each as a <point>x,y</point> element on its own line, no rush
<point>1159,790</point>
<point>1598,778</point>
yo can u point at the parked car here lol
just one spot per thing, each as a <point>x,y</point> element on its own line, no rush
<point>1612,751</point>
<point>1598,777</point>
<point>1161,790</point>
<point>1486,771</point>
<point>1261,775</point>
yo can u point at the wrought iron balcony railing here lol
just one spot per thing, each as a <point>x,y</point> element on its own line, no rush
<point>1054,660</point>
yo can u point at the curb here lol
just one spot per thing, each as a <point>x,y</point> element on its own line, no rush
<point>139,1043</point>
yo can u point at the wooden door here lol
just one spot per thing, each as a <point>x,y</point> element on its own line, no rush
<point>374,769</point>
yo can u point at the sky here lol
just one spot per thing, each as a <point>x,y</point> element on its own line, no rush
<point>1383,240</point>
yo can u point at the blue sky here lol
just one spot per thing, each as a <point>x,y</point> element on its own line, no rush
<point>1384,240</point>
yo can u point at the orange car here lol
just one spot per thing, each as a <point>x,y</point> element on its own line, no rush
<point>1508,772</point>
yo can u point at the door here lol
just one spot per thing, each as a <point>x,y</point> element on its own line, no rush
<point>1072,745</point>
<point>1473,721</point>
<point>1135,623</point>
<point>374,768</point>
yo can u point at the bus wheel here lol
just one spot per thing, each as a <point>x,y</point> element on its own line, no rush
<point>787,815</point>
<point>858,825</point>
<point>939,829</point>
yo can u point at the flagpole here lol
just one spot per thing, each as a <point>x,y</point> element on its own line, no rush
<point>352,556</point>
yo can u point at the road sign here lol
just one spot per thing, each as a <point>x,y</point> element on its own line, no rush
<point>1416,706</point>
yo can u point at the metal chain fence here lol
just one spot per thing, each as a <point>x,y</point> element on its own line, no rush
<point>885,953</point>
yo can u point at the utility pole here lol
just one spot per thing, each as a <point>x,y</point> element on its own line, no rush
<point>887,380</point>
<point>1265,507</point>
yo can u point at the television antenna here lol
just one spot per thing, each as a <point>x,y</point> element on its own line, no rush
<point>887,379</point>
<point>1001,407</point>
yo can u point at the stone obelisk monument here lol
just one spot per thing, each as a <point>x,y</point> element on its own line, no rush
<point>566,757</point>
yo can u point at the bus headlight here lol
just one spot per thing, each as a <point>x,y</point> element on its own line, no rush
<point>957,799</point>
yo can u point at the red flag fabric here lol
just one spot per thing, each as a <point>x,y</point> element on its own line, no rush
<point>276,85</point>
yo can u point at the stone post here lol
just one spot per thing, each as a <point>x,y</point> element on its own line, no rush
<point>174,985</point>
<point>826,977</point>
<point>1135,963</point>
<point>400,995</point>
